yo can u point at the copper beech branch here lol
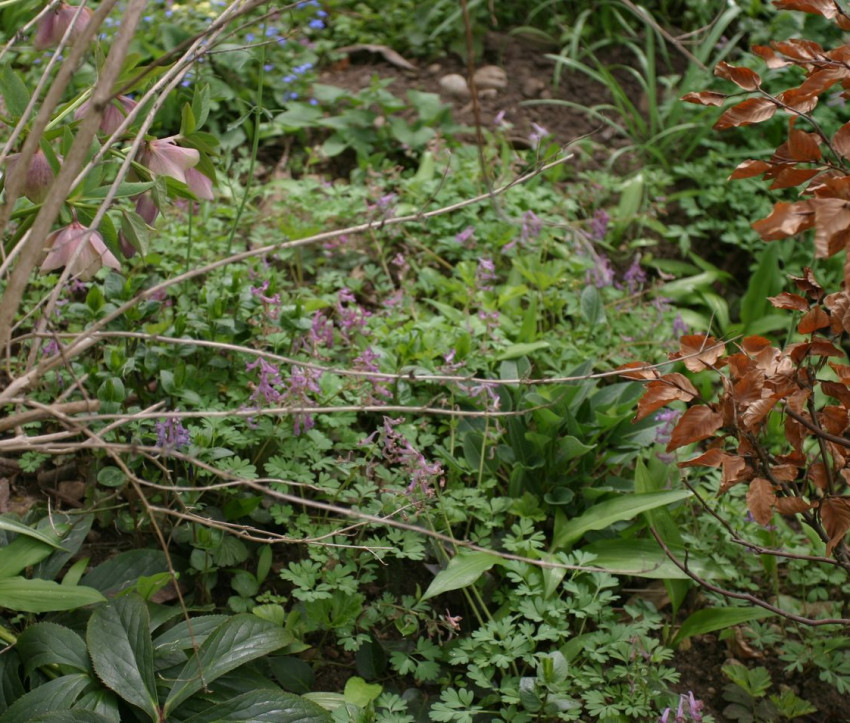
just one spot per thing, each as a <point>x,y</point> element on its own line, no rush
<point>758,602</point>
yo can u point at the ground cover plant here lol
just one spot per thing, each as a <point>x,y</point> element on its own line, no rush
<point>314,409</point>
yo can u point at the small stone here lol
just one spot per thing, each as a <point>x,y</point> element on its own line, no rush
<point>532,87</point>
<point>455,85</point>
<point>488,93</point>
<point>490,76</point>
<point>434,68</point>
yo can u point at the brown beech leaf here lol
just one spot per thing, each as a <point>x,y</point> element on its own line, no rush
<point>834,419</point>
<point>823,79</point>
<point>740,76</point>
<point>791,505</point>
<point>754,344</point>
<point>752,110</point>
<point>790,177</point>
<point>795,433</point>
<point>760,500</point>
<point>839,306</point>
<point>748,389</point>
<point>787,300</point>
<point>817,475</point>
<point>841,140</point>
<point>784,472</point>
<point>735,470</point>
<point>786,219</point>
<point>808,284</point>
<point>757,411</point>
<point>798,99</point>
<point>799,49</point>
<point>832,225</point>
<point>706,97</point>
<point>669,388</point>
<point>803,146</point>
<point>698,351</point>
<point>842,371</point>
<point>822,347</point>
<point>826,8</point>
<point>696,424</point>
<point>837,391</point>
<point>750,169</point>
<point>835,515</point>
<point>770,57</point>
<point>637,370</point>
<point>711,458</point>
<point>812,320</point>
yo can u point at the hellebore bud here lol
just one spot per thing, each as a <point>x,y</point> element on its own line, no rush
<point>113,115</point>
<point>53,25</point>
<point>39,175</point>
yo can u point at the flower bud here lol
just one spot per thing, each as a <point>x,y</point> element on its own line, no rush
<point>53,25</point>
<point>39,176</point>
<point>113,115</point>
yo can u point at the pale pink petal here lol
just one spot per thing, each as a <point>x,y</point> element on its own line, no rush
<point>199,184</point>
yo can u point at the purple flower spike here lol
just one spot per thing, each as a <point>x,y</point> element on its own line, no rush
<point>170,434</point>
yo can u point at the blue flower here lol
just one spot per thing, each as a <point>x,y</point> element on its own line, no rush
<point>316,24</point>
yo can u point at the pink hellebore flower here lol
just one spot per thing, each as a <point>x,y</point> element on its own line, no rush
<point>199,184</point>
<point>53,25</point>
<point>163,157</point>
<point>64,243</point>
<point>39,175</point>
<point>113,115</point>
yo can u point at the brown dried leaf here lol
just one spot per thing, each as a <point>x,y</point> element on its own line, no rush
<point>837,391</point>
<point>790,177</point>
<point>817,475</point>
<point>787,300</point>
<point>803,146</point>
<point>812,320</point>
<point>841,140</point>
<point>740,76</point>
<point>826,8</point>
<point>711,458</point>
<point>706,97</point>
<point>784,472</point>
<point>638,371</point>
<point>839,306</point>
<point>757,411</point>
<point>696,424</point>
<point>808,284</point>
<point>752,110</point>
<point>822,347</point>
<point>754,344</point>
<point>770,57</point>
<point>799,49</point>
<point>735,470</point>
<point>834,419</point>
<point>749,169</point>
<point>698,351</point>
<point>842,371</point>
<point>832,225</point>
<point>795,433</point>
<point>798,99</point>
<point>835,515</point>
<point>659,393</point>
<point>760,500</point>
<point>786,219</point>
<point>791,505</point>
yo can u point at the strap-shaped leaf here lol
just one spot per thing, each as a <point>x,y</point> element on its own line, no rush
<point>44,596</point>
<point>52,644</point>
<point>120,646</point>
<point>240,639</point>
<point>55,695</point>
<point>9,524</point>
<point>463,570</point>
<point>263,706</point>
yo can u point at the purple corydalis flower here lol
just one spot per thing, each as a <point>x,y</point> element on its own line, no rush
<point>602,274</point>
<point>485,274</point>
<point>170,434</point>
<point>63,245</point>
<point>679,326</point>
<point>39,176</point>
<point>538,133</point>
<point>270,302</point>
<point>264,390</point>
<point>397,449</point>
<point>466,237</point>
<point>52,26</point>
<point>635,276</point>
<point>163,157</point>
<point>599,224</point>
<point>302,383</point>
<point>368,362</point>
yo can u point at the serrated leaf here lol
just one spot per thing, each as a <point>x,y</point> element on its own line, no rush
<point>124,569</point>
<point>711,619</point>
<point>44,596</point>
<point>58,694</point>
<point>240,639</point>
<point>264,706</point>
<point>463,570</point>
<point>118,636</point>
<point>606,513</point>
<point>51,644</point>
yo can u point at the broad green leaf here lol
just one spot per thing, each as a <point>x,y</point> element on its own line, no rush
<point>359,692</point>
<point>124,569</point>
<point>102,703</point>
<point>58,694</point>
<point>592,310</point>
<point>14,91</point>
<point>644,558</point>
<point>240,639</point>
<point>11,686</point>
<point>10,524</point>
<point>264,706</point>
<point>129,188</point>
<point>20,553</point>
<point>606,513</point>
<point>71,543</point>
<point>711,619</point>
<point>517,350</point>
<point>52,644</point>
<point>182,635</point>
<point>44,596</point>
<point>77,715</point>
<point>463,570</point>
<point>118,635</point>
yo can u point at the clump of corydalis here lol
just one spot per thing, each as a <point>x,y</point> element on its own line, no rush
<point>80,248</point>
<point>296,392</point>
<point>396,449</point>
<point>171,434</point>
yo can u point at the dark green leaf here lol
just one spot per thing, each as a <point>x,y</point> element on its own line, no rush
<point>592,309</point>
<point>11,687</point>
<point>55,695</point>
<point>240,639</point>
<point>71,543</point>
<point>9,524</point>
<point>711,619</point>
<point>43,596</point>
<point>118,635</point>
<point>264,706</point>
<point>14,91</point>
<point>20,554</point>
<point>51,644</point>
<point>124,569</point>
